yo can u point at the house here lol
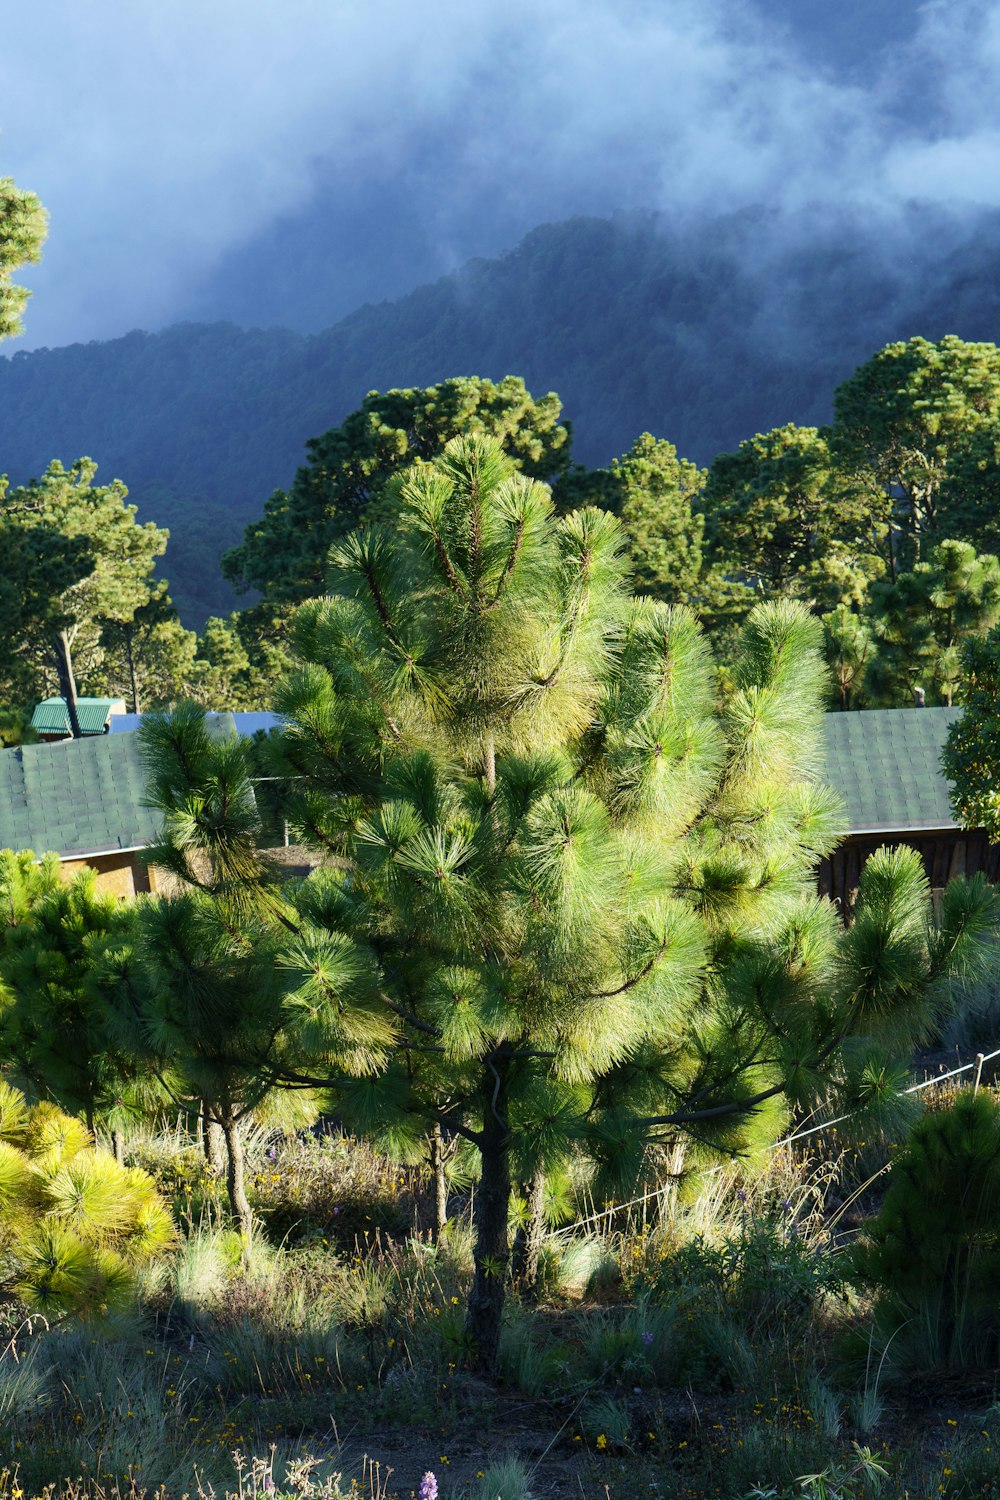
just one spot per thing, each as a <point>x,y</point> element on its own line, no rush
<point>82,800</point>
<point>50,721</point>
<point>886,765</point>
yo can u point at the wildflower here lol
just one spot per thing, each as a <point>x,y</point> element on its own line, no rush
<point>428,1487</point>
<point>602,1441</point>
<point>647,1338</point>
<point>741,1195</point>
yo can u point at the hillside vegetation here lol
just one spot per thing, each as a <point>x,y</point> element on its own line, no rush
<point>639,325</point>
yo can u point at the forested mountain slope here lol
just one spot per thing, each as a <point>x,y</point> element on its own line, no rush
<point>698,336</point>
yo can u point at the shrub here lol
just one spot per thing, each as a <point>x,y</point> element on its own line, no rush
<point>74,1225</point>
<point>932,1254</point>
<point>332,1188</point>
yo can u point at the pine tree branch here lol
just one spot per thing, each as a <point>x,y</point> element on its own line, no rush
<point>630,984</point>
<point>409,1017</point>
<point>511,564</point>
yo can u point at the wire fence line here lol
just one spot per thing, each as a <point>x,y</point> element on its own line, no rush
<point>978,1063</point>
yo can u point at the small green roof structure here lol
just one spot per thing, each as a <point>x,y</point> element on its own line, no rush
<point>51,717</point>
<point>886,765</point>
<point>76,798</point>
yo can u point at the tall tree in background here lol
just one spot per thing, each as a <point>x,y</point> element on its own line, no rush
<point>23,226</point>
<point>777,520</point>
<point>970,756</point>
<point>900,421</point>
<point>75,560</point>
<point>349,468</point>
<point>652,491</point>
<point>923,619</point>
<point>150,659</point>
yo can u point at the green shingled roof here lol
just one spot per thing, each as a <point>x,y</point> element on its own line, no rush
<point>76,797</point>
<point>886,765</point>
<point>51,717</point>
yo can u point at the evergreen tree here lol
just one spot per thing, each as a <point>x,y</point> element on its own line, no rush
<point>850,650</point>
<point>349,468</point>
<point>969,758</point>
<point>922,620</point>
<point>23,226</point>
<point>901,421</point>
<point>54,1038</point>
<point>150,659</point>
<point>195,985</point>
<point>580,892</point>
<point>569,902</point>
<point>652,492</point>
<point>75,560</point>
<point>931,1254</point>
<point>778,521</point>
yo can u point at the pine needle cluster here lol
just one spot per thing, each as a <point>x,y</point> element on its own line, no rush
<point>74,1225</point>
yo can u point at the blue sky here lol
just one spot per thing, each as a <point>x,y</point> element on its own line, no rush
<point>208,158</point>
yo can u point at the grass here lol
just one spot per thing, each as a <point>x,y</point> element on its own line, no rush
<point>687,1351</point>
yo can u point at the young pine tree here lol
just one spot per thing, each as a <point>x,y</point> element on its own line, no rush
<point>577,891</point>
<point>932,1253</point>
<point>55,1039</point>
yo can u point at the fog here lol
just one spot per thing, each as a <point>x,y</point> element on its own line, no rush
<point>283,164</point>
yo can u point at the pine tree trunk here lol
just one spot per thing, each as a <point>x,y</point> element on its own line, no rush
<point>485,1312</point>
<point>534,1235</point>
<point>213,1142</point>
<point>118,1146</point>
<point>238,1201</point>
<point>130,658</point>
<point>440,1182</point>
<point>67,682</point>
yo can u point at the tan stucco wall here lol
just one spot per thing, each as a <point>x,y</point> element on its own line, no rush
<point>118,875</point>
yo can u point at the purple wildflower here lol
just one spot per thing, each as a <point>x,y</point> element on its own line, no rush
<point>786,1203</point>
<point>428,1487</point>
<point>647,1338</point>
<point>741,1195</point>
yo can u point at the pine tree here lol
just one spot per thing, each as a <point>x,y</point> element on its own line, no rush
<point>923,619</point>
<point>569,900</point>
<point>195,985</point>
<point>75,559</point>
<point>580,892</point>
<point>23,226</point>
<point>75,1226</point>
<point>932,1252</point>
<point>54,1035</point>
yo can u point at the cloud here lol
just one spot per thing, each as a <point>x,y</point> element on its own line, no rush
<point>166,139</point>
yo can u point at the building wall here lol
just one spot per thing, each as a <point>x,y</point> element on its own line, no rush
<point>120,875</point>
<point>945,854</point>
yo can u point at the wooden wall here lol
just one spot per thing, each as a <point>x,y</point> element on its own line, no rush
<point>945,853</point>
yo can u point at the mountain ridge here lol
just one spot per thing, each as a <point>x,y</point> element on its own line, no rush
<point>639,324</point>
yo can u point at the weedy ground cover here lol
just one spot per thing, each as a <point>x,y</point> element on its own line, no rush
<point>694,1345</point>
